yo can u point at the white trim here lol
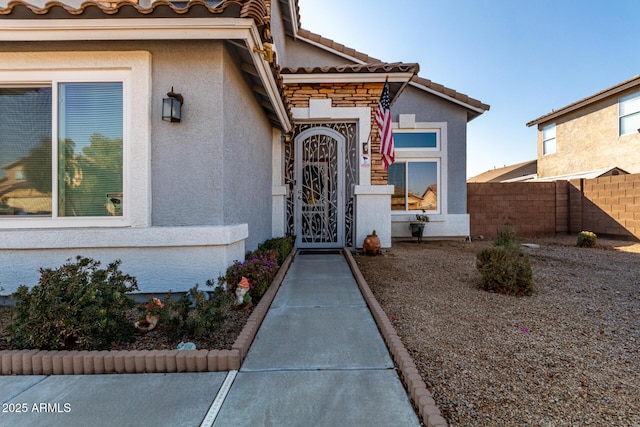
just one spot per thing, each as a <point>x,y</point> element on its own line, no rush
<point>294,17</point>
<point>133,68</point>
<point>417,151</point>
<point>393,77</point>
<point>126,29</point>
<point>622,100</point>
<point>440,154</point>
<point>160,237</point>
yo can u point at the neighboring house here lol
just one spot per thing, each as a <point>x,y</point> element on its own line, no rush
<point>598,134</point>
<point>524,171</point>
<point>276,136</point>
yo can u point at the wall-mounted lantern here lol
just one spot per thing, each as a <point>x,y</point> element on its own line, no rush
<point>172,106</point>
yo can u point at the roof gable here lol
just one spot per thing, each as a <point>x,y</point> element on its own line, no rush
<point>474,106</point>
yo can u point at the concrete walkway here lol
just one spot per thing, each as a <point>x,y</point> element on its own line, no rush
<point>318,359</point>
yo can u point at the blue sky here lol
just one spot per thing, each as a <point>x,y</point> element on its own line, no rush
<point>523,58</point>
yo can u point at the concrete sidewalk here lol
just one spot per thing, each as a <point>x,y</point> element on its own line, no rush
<point>318,359</point>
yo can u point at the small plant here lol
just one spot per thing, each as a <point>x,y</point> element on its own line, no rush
<point>259,268</point>
<point>76,306</point>
<point>207,314</point>
<point>506,237</point>
<point>423,217</point>
<point>505,270</point>
<point>586,239</point>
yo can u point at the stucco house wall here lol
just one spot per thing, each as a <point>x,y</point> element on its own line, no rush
<point>210,189</point>
<point>588,139</point>
<point>247,160</point>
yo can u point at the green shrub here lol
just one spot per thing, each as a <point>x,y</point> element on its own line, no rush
<point>505,270</point>
<point>76,306</point>
<point>284,245</point>
<point>586,239</point>
<point>506,237</point>
<point>202,316</point>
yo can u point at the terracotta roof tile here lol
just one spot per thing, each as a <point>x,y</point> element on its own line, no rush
<point>397,67</point>
<point>254,9</point>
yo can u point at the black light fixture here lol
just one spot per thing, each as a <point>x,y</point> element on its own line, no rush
<point>172,106</point>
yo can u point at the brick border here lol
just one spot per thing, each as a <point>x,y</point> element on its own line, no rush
<point>75,362</point>
<point>417,389</point>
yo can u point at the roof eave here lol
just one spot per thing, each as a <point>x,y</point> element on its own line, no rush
<point>614,90</point>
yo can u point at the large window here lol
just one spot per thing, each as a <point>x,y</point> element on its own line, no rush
<point>629,108</point>
<point>416,185</point>
<point>549,139</point>
<point>416,171</point>
<point>61,149</point>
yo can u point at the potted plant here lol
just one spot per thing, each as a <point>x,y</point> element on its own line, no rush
<point>417,228</point>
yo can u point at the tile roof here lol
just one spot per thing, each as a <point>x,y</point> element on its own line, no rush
<point>382,67</point>
<point>613,90</point>
<point>254,9</point>
<point>366,59</point>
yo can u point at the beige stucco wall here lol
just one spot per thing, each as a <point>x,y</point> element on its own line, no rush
<point>588,140</point>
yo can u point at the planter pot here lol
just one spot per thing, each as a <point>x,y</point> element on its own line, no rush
<point>417,228</point>
<point>371,244</point>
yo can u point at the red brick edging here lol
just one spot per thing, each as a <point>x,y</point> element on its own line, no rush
<point>72,362</point>
<point>421,397</point>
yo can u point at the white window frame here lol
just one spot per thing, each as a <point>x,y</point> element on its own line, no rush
<point>546,128</point>
<point>621,116</point>
<point>429,154</point>
<point>415,150</point>
<point>133,69</point>
<point>406,160</point>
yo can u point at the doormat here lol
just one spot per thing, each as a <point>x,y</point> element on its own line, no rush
<point>319,252</point>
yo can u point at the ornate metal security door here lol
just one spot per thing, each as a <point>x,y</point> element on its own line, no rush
<point>319,189</point>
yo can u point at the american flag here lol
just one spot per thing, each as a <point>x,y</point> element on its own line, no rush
<point>383,119</point>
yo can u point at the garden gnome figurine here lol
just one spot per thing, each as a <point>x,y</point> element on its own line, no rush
<point>242,291</point>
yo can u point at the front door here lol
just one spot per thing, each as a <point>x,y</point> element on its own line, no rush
<point>319,188</point>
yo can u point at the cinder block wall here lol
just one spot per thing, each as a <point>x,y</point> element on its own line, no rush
<point>608,206</point>
<point>528,207</point>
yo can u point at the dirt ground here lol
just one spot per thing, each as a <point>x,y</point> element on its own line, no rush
<point>567,356</point>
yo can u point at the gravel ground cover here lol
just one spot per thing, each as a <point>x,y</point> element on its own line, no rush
<point>567,356</point>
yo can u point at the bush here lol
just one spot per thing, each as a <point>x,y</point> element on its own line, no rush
<point>586,239</point>
<point>505,270</point>
<point>76,306</point>
<point>259,268</point>
<point>506,237</point>
<point>202,316</point>
<point>284,245</point>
